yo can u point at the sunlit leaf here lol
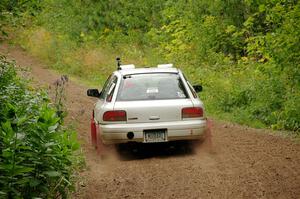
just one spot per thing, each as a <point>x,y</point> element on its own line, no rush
<point>52,173</point>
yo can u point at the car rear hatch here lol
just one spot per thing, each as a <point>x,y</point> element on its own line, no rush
<point>153,111</point>
<point>152,97</point>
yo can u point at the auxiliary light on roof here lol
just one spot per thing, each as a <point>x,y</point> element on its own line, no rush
<point>129,66</point>
<point>164,65</point>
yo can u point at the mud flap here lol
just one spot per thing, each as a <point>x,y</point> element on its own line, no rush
<point>93,132</point>
<point>96,141</point>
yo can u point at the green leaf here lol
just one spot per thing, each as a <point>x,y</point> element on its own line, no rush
<point>262,8</point>
<point>53,128</point>
<point>52,173</point>
<point>50,144</point>
<point>34,182</point>
<point>6,127</point>
<point>7,154</point>
<point>22,181</point>
<point>7,166</point>
<point>23,170</point>
<point>2,193</point>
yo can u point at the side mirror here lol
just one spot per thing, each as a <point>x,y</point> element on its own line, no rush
<point>93,93</point>
<point>198,88</point>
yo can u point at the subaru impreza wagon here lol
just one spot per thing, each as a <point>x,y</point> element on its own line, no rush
<point>147,105</point>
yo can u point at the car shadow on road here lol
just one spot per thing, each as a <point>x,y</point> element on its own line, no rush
<point>135,151</point>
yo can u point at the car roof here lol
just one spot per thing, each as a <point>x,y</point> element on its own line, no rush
<point>147,70</point>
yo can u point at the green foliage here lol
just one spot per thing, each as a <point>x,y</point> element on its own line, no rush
<point>245,53</point>
<point>12,13</point>
<point>37,154</point>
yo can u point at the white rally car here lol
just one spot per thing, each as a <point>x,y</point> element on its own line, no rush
<point>147,105</point>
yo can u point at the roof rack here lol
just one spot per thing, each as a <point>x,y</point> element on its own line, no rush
<point>164,65</point>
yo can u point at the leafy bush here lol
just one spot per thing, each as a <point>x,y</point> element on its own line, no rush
<point>37,154</point>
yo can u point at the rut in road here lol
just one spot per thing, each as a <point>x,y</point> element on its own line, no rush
<point>243,162</point>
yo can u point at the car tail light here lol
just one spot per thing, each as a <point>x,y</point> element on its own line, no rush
<point>192,112</point>
<point>113,116</point>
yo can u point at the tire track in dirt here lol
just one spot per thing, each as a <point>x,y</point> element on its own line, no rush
<point>243,162</point>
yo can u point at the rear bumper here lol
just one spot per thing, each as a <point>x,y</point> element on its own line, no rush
<point>178,130</point>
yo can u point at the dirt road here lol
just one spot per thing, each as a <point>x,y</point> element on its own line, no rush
<point>243,162</point>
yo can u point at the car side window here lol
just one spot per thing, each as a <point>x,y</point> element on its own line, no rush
<point>109,88</point>
<point>190,87</point>
<point>106,87</point>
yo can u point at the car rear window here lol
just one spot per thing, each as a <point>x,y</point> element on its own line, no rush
<point>154,86</point>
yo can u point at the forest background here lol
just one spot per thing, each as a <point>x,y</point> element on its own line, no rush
<point>246,54</point>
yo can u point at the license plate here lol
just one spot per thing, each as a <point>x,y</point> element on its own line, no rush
<point>157,135</point>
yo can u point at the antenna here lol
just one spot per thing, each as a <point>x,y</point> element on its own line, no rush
<point>118,59</point>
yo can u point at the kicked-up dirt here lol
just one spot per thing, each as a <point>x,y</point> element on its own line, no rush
<point>240,162</point>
